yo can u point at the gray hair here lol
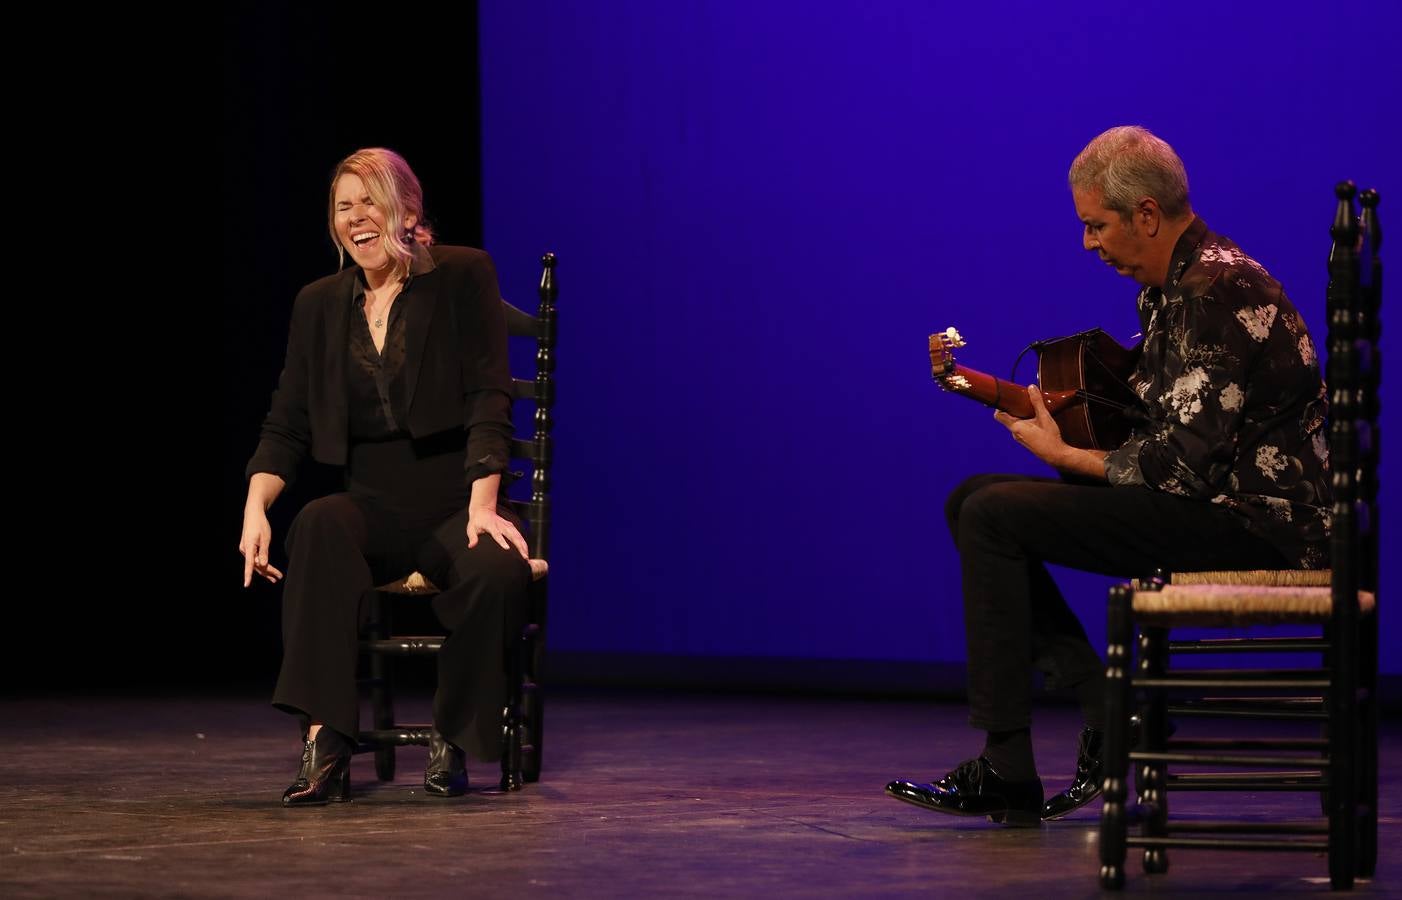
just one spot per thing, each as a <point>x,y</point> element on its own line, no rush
<point>1128,163</point>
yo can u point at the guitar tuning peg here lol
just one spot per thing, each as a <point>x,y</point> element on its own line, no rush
<point>952,337</point>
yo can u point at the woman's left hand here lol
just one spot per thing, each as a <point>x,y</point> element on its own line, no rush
<point>482,521</point>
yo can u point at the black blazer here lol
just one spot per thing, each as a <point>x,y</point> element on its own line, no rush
<point>456,368</point>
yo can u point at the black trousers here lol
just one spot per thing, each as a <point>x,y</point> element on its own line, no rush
<point>403,510</point>
<point>1008,527</point>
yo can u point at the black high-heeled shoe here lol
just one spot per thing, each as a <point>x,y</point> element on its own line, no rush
<point>446,775</point>
<point>325,773</point>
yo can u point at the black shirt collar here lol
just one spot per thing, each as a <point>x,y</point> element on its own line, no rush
<point>422,263</point>
<point>1185,251</point>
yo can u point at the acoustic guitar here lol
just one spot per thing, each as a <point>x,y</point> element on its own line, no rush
<point>1084,380</point>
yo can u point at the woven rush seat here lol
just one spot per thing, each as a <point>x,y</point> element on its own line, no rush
<point>1218,605</point>
<point>1264,577</point>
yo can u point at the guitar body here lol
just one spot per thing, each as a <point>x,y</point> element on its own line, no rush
<point>1084,380</point>
<point>1094,365</point>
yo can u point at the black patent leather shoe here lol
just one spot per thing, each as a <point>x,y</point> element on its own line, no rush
<point>1090,762</point>
<point>1090,766</point>
<point>325,773</point>
<point>446,775</point>
<point>975,789</point>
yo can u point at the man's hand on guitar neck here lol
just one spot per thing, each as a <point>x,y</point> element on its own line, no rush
<point>1042,436</point>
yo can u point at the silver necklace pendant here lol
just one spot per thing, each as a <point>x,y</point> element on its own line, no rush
<point>380,322</point>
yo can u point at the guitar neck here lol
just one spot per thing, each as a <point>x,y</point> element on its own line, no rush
<point>1088,371</point>
<point>988,390</point>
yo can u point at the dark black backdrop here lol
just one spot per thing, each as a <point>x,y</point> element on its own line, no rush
<point>155,602</point>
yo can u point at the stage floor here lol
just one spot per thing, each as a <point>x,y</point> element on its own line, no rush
<point>643,794</point>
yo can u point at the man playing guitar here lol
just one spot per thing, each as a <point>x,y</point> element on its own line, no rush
<point>1225,467</point>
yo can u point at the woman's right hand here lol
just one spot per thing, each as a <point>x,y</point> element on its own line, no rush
<point>257,535</point>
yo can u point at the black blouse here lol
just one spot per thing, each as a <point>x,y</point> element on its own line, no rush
<point>375,387</point>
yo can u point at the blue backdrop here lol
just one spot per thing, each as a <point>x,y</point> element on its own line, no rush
<point>761,210</point>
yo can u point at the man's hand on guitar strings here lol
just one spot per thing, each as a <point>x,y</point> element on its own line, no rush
<point>1042,436</point>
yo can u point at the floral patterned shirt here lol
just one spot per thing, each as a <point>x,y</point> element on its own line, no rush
<point>1234,406</point>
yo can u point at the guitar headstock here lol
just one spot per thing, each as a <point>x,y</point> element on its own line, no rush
<point>942,347</point>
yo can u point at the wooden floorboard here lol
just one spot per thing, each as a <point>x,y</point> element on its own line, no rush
<point>643,794</point>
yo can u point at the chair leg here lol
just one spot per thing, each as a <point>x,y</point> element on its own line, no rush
<point>511,749</point>
<point>511,718</point>
<point>1344,782</point>
<point>1368,773</point>
<point>381,688</point>
<point>1327,662</point>
<point>1153,662</point>
<point>1114,825</point>
<point>532,727</point>
<point>533,697</point>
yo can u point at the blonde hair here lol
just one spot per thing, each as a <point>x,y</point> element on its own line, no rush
<point>394,187</point>
<point>1128,163</point>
